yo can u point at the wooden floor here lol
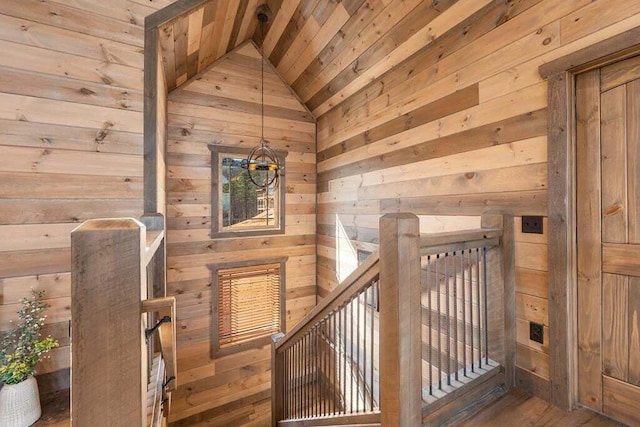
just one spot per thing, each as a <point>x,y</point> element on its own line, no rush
<point>516,408</point>
<point>55,410</point>
<point>520,409</point>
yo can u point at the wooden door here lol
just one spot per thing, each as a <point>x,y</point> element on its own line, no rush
<point>608,239</point>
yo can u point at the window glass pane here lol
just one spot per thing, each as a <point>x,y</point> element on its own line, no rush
<point>245,205</point>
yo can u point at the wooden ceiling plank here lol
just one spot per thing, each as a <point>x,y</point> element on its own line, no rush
<point>207,43</point>
<point>218,28</point>
<point>307,33</point>
<point>228,24</point>
<point>385,22</point>
<point>293,29</point>
<point>280,21</point>
<point>167,45</point>
<point>249,22</point>
<point>180,31</point>
<point>193,41</point>
<point>242,11</point>
<point>319,16</point>
<point>358,21</point>
<point>176,11</point>
<point>337,19</point>
<point>260,33</point>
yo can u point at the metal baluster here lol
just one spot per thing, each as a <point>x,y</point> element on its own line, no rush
<point>344,358</point>
<point>317,373</point>
<point>308,379</point>
<point>318,369</point>
<point>312,371</point>
<point>333,361</point>
<point>448,315</point>
<point>364,347</point>
<point>485,301</point>
<point>439,322</point>
<point>472,311</point>
<point>305,366</point>
<point>301,378</point>
<point>374,300</point>
<point>285,397</point>
<point>429,325</point>
<point>479,308</point>
<point>351,349</point>
<point>361,389</point>
<point>464,316</point>
<point>323,367</point>
<point>336,381</point>
<point>297,376</point>
<point>455,315</point>
<point>290,387</point>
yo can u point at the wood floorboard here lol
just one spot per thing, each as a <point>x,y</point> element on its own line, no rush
<point>517,408</point>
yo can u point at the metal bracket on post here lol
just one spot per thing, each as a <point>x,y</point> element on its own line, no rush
<point>150,331</point>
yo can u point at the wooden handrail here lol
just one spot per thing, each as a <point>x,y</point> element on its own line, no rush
<point>359,279</point>
<point>433,243</point>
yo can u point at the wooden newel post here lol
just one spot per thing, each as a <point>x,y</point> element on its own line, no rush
<point>277,381</point>
<point>400,321</point>
<point>505,278</point>
<point>108,369</point>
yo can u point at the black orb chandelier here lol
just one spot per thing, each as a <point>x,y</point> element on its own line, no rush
<point>262,163</point>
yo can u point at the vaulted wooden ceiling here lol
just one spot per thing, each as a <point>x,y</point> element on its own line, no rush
<point>326,50</point>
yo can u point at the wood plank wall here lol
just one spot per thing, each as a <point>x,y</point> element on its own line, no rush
<point>222,106</point>
<point>448,130</point>
<point>71,95</point>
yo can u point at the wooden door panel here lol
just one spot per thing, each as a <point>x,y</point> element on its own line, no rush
<point>621,399</point>
<point>620,73</point>
<point>621,259</point>
<point>633,159</point>
<point>634,331</point>
<point>615,326</point>
<point>614,153</point>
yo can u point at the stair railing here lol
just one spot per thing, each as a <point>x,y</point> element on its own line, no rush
<point>324,367</point>
<point>360,359</point>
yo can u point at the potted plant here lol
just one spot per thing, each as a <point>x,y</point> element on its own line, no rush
<point>20,351</point>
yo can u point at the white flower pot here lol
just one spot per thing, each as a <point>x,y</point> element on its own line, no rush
<point>20,404</point>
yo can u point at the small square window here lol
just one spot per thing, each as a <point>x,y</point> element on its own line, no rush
<point>248,305</point>
<point>238,206</point>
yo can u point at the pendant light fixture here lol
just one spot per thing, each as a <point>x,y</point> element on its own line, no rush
<point>262,163</point>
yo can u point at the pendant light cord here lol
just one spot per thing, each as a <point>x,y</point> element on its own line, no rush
<point>262,141</point>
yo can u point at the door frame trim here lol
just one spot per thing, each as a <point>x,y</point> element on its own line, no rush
<point>560,74</point>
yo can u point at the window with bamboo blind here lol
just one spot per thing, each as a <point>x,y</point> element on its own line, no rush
<point>248,304</point>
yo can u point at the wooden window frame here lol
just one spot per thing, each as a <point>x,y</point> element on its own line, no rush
<point>561,136</point>
<point>216,350</point>
<point>216,229</point>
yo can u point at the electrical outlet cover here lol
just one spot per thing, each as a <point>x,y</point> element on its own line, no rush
<point>536,332</point>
